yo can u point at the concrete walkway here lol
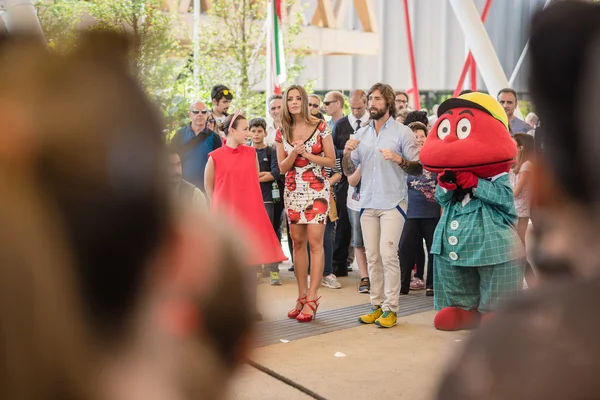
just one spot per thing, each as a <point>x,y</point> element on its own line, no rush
<point>401,362</point>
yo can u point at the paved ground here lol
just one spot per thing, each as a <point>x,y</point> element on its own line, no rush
<point>402,362</point>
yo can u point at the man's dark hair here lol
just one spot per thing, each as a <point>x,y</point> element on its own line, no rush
<point>416,116</point>
<point>397,92</point>
<point>217,93</point>
<point>388,94</point>
<point>465,91</point>
<point>174,150</point>
<point>108,180</point>
<point>508,90</point>
<point>257,122</point>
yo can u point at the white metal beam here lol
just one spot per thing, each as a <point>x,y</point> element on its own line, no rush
<point>515,72</point>
<point>480,44</point>
<point>20,16</point>
<point>481,47</point>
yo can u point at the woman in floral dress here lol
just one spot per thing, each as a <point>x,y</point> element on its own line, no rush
<point>304,149</point>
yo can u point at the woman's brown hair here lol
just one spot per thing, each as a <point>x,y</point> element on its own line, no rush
<point>286,117</point>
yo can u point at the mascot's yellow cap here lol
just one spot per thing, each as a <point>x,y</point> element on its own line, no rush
<point>481,101</point>
<point>489,103</point>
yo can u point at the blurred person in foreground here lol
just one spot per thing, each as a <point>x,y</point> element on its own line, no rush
<point>150,279</point>
<point>545,344</point>
<point>45,351</point>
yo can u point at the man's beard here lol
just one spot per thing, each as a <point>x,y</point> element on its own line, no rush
<point>376,113</point>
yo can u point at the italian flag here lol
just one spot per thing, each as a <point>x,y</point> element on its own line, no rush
<point>276,74</point>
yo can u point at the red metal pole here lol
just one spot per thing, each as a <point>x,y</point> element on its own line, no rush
<point>411,55</point>
<point>463,75</point>
<point>468,64</point>
<point>473,72</point>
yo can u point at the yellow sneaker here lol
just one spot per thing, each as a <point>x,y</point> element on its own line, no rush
<point>387,319</point>
<point>371,317</point>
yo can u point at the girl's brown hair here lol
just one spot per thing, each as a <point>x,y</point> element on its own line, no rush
<point>286,117</point>
<point>225,125</point>
<point>526,143</point>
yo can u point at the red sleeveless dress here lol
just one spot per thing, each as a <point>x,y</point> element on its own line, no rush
<point>237,193</point>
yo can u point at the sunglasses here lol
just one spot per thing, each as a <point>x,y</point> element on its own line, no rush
<point>211,121</point>
<point>228,92</point>
<point>197,112</point>
<point>328,102</point>
<point>313,105</point>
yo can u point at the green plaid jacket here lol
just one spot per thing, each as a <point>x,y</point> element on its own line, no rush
<point>483,231</point>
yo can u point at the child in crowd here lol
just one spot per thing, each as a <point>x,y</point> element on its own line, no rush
<point>268,177</point>
<point>520,180</point>
<point>423,214</point>
<point>232,185</point>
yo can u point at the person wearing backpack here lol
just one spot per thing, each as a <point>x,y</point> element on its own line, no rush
<point>193,143</point>
<point>268,178</point>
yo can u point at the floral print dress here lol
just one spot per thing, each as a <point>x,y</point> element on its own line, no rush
<point>306,195</point>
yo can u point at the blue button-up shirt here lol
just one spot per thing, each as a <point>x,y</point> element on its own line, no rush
<point>383,183</point>
<point>519,126</point>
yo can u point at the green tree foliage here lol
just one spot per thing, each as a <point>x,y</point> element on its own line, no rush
<point>232,48</point>
<point>233,51</point>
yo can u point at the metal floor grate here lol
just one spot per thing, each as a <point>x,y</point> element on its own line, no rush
<point>334,320</point>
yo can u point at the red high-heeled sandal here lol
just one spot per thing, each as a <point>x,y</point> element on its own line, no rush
<point>292,314</point>
<point>303,317</point>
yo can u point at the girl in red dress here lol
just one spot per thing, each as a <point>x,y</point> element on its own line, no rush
<point>304,149</point>
<point>231,182</point>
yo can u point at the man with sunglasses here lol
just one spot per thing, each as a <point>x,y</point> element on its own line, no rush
<point>334,107</point>
<point>194,142</point>
<point>221,97</point>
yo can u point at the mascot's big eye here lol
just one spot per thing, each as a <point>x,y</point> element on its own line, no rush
<point>443,129</point>
<point>463,128</point>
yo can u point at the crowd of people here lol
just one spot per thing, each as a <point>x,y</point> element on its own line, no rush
<point>341,186</point>
<point>118,283</point>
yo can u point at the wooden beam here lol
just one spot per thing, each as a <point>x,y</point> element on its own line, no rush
<point>366,15</point>
<point>327,41</point>
<point>341,11</point>
<point>324,15</point>
<point>324,41</point>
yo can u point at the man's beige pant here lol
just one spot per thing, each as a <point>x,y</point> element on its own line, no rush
<point>381,231</point>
